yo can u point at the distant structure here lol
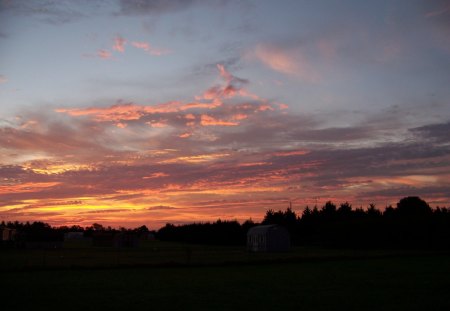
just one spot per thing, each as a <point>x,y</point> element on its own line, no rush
<point>8,234</point>
<point>268,238</point>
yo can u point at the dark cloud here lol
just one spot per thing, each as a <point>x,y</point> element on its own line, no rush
<point>436,132</point>
<point>139,7</point>
<point>55,12</point>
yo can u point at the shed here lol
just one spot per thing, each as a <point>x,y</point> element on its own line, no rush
<point>8,234</point>
<point>268,238</point>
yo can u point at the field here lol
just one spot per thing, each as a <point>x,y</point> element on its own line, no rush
<point>213,278</point>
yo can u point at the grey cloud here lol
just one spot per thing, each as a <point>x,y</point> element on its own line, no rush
<point>436,132</point>
<point>139,7</point>
<point>54,12</point>
<point>437,191</point>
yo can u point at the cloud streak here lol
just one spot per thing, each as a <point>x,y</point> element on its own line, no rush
<point>149,48</point>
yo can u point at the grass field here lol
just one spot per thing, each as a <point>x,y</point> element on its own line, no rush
<point>407,282</point>
<point>157,253</point>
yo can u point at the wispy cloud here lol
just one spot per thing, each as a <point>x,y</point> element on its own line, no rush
<point>286,61</point>
<point>3,79</point>
<point>104,54</point>
<point>147,47</point>
<point>119,44</point>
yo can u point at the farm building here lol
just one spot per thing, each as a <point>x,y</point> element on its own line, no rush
<point>8,234</point>
<point>268,238</point>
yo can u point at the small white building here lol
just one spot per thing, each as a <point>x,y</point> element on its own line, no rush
<point>268,238</point>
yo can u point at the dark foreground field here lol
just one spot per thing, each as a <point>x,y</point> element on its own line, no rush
<point>415,282</point>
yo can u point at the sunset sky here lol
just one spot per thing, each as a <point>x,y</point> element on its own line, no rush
<point>147,111</point>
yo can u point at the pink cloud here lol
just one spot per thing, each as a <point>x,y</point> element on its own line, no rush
<point>185,135</point>
<point>289,62</point>
<point>224,73</point>
<point>104,54</point>
<point>158,123</point>
<point>3,79</point>
<point>149,49</point>
<point>119,44</point>
<point>240,116</point>
<point>282,106</point>
<point>233,87</point>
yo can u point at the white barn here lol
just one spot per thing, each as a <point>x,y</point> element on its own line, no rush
<point>268,238</point>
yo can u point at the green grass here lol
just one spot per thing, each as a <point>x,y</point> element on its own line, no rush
<point>397,283</point>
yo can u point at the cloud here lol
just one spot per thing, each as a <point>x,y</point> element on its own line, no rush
<point>149,48</point>
<point>161,207</point>
<point>53,12</point>
<point>3,79</point>
<point>119,44</point>
<point>211,121</point>
<point>276,59</point>
<point>139,7</point>
<point>436,132</point>
<point>104,54</point>
<point>289,61</point>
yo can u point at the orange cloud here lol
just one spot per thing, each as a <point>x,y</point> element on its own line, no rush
<point>158,124</point>
<point>26,187</point>
<point>197,159</point>
<point>207,120</point>
<point>185,135</point>
<point>118,112</point>
<point>119,44</point>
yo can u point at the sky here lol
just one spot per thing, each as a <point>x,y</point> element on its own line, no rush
<point>132,112</point>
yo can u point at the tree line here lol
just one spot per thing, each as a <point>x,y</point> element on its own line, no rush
<point>411,224</point>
